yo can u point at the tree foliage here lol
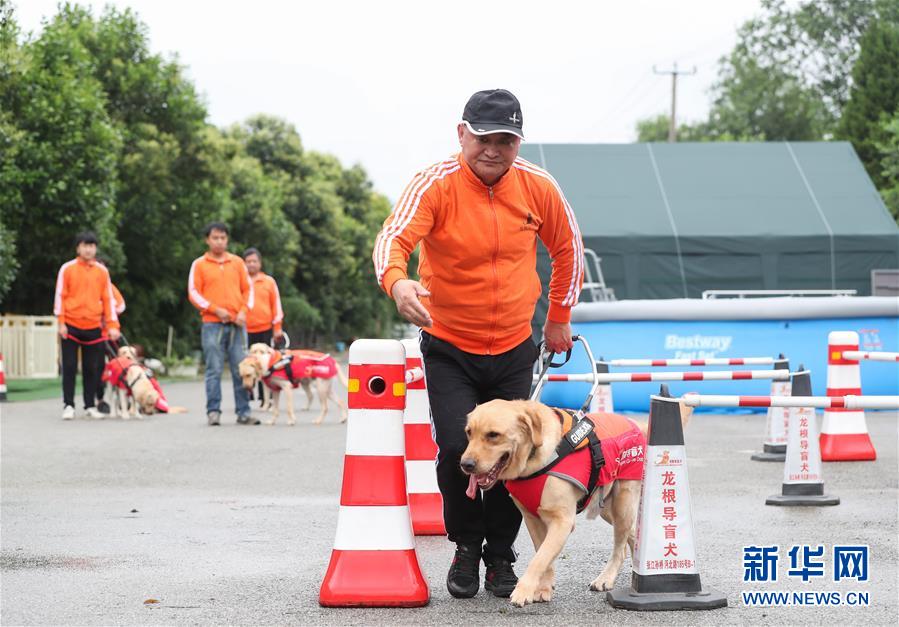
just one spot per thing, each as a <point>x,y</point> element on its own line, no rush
<point>100,133</point>
<point>874,96</point>
<point>888,149</point>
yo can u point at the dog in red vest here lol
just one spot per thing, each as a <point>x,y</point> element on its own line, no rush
<point>284,371</point>
<point>135,387</point>
<point>516,441</point>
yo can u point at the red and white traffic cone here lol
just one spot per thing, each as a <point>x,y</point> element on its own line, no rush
<point>2,380</point>
<point>425,501</point>
<point>803,482</point>
<point>844,432</point>
<point>665,575</point>
<point>774,449</point>
<point>602,401</point>
<point>374,563</point>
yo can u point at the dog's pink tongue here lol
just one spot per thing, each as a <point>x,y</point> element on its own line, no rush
<point>472,490</point>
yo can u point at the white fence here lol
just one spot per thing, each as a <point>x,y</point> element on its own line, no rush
<point>30,346</point>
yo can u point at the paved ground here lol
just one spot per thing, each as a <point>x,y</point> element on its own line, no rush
<point>235,525</point>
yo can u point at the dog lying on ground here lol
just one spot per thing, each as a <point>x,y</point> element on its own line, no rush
<point>135,390</point>
<point>282,372</point>
<point>510,440</point>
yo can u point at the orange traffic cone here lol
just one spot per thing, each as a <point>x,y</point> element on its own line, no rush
<point>425,501</point>
<point>374,563</point>
<point>844,432</point>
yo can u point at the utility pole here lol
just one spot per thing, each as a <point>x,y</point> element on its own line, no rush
<point>672,124</point>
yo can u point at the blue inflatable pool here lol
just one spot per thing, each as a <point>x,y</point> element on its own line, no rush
<point>695,329</point>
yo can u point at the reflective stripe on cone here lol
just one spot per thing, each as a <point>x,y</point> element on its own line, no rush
<point>425,501</point>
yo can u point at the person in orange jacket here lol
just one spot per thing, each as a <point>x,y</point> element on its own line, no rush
<point>265,319</point>
<point>478,216</point>
<point>83,300</point>
<point>219,287</point>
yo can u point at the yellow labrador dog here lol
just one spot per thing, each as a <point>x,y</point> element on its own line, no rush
<point>143,396</point>
<point>305,367</point>
<point>510,440</point>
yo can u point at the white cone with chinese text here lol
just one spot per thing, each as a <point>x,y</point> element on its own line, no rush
<point>602,401</point>
<point>665,575</point>
<point>844,432</point>
<point>374,563</point>
<point>803,483</point>
<point>774,448</point>
<point>425,502</point>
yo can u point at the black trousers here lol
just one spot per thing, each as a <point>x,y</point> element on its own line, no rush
<point>264,337</point>
<point>457,381</point>
<point>91,360</point>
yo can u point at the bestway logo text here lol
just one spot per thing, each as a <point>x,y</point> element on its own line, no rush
<point>717,343</point>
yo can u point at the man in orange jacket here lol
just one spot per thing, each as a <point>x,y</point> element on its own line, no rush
<point>264,320</point>
<point>82,302</point>
<point>219,287</point>
<point>478,216</point>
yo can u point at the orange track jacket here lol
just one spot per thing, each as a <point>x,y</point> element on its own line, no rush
<point>84,297</point>
<point>479,251</point>
<point>118,300</point>
<point>266,311</point>
<point>224,284</point>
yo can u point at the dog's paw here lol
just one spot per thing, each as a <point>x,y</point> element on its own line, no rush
<point>270,422</point>
<point>602,583</point>
<point>544,594</point>
<point>523,594</point>
<point>291,422</point>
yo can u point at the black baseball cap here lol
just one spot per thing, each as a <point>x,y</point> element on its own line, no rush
<point>493,111</point>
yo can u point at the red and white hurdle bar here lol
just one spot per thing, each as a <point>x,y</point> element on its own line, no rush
<point>414,375</point>
<point>700,375</point>
<point>867,355</point>
<point>821,402</point>
<point>714,361</point>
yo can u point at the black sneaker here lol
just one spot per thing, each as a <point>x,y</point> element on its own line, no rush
<point>103,407</point>
<point>500,579</point>
<point>463,578</point>
<point>248,420</point>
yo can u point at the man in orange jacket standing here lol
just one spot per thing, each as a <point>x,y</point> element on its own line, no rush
<point>83,301</point>
<point>219,287</point>
<point>266,316</point>
<point>478,216</point>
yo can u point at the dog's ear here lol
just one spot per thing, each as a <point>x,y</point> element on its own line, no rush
<point>530,420</point>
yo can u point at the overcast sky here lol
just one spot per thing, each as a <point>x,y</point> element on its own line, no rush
<point>384,83</point>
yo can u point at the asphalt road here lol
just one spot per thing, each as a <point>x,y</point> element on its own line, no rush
<point>235,525</point>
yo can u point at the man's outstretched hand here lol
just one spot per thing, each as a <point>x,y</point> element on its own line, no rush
<point>557,336</point>
<point>406,294</point>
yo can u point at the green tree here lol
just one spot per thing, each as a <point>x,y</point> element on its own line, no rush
<point>332,291</point>
<point>874,96</point>
<point>888,147</point>
<point>60,174</point>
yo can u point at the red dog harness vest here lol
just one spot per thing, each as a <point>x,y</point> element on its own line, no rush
<point>303,364</point>
<point>115,372</point>
<point>623,447</point>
